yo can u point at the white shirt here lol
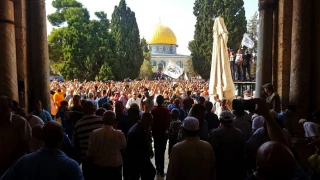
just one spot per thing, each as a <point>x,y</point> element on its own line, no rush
<point>104,146</point>
<point>131,101</point>
<point>238,57</point>
<point>311,129</point>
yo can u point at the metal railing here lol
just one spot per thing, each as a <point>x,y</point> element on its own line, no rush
<point>240,87</point>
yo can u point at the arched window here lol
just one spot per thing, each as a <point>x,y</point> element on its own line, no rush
<point>154,63</point>
<point>163,63</point>
<point>179,63</point>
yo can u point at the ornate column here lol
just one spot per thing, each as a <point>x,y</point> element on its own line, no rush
<point>20,17</point>
<point>8,68</point>
<point>300,56</point>
<point>264,61</point>
<point>38,58</point>
<point>315,63</point>
<point>284,50</point>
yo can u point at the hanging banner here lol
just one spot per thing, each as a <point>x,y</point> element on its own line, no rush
<point>173,70</point>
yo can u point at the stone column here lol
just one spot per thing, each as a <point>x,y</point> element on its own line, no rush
<point>284,50</point>
<point>315,63</point>
<point>275,47</point>
<point>8,67</point>
<point>20,17</point>
<point>38,58</point>
<point>264,61</point>
<point>300,56</point>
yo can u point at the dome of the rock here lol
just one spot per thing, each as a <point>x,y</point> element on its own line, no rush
<point>163,35</point>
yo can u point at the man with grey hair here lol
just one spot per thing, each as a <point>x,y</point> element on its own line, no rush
<point>91,99</point>
<point>104,149</point>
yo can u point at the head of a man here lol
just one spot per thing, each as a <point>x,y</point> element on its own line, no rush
<point>100,111</point>
<point>246,93</point>
<point>107,106</point>
<point>99,94</point>
<point>246,52</point>
<point>146,120</point>
<point>202,100</point>
<point>135,106</point>
<point>275,161</point>
<point>5,109</point>
<point>177,102</point>
<point>191,126</point>
<point>268,88</point>
<point>160,100</point>
<point>88,108</point>
<point>118,107</point>
<point>226,118</point>
<point>216,97</point>
<point>64,105</point>
<point>109,118</point>
<point>38,105</point>
<point>52,135</point>
<point>91,95</point>
<point>208,105</point>
<point>22,112</point>
<point>198,111</point>
<point>76,100</point>
<point>133,114</point>
<point>146,93</point>
<point>134,95</point>
<point>175,113</point>
<point>189,93</point>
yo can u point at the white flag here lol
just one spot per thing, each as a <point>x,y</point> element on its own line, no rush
<point>246,41</point>
<point>173,70</point>
<point>185,76</point>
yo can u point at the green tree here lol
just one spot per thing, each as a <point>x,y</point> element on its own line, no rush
<point>144,46</point>
<point>105,72</point>
<point>83,47</point>
<point>205,11</point>
<point>124,29</point>
<point>253,29</point>
<point>146,70</point>
<point>191,71</point>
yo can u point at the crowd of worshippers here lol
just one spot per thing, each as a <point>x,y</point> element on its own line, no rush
<point>101,137</point>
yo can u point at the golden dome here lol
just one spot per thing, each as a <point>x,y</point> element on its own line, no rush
<point>163,35</point>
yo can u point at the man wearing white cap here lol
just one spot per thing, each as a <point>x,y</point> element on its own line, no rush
<point>193,158</point>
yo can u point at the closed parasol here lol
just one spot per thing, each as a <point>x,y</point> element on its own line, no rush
<point>220,76</point>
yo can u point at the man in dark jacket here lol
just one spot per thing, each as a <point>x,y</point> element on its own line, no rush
<point>139,150</point>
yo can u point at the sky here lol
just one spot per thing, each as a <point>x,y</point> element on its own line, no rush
<point>176,14</point>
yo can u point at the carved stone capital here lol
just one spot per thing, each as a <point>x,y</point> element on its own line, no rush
<point>266,4</point>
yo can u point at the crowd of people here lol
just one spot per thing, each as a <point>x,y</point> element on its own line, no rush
<point>112,130</point>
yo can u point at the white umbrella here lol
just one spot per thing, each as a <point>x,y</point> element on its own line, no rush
<point>220,77</point>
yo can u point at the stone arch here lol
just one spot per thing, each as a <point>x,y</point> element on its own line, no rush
<point>180,63</point>
<point>153,63</point>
